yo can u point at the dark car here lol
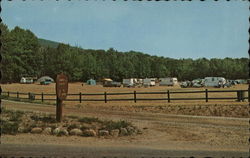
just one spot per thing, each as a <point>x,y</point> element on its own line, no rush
<point>111,84</point>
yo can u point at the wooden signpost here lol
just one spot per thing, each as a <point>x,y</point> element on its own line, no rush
<point>61,94</point>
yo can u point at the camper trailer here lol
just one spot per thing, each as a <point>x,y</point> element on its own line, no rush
<point>214,81</point>
<point>128,82</point>
<point>170,81</point>
<point>149,82</point>
<point>27,80</point>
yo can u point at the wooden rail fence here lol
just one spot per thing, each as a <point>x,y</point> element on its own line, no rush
<point>240,96</point>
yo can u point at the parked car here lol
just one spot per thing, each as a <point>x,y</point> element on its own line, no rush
<point>45,82</point>
<point>112,84</point>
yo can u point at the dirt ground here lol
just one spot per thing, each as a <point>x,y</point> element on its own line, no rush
<point>197,125</point>
<point>160,130</point>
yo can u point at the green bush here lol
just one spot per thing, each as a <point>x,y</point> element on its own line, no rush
<point>46,119</point>
<point>83,128</point>
<point>110,125</point>
<point>16,117</point>
<point>89,119</point>
<point>73,117</point>
<point>70,127</point>
<point>9,127</point>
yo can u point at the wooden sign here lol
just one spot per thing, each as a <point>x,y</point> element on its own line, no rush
<point>61,93</point>
<point>61,86</point>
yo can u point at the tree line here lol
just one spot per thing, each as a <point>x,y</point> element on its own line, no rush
<point>23,55</point>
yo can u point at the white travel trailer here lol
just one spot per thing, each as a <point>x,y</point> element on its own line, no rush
<point>169,81</point>
<point>214,81</point>
<point>26,80</point>
<point>149,82</point>
<point>129,82</point>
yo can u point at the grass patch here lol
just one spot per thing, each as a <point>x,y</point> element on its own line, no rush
<point>46,119</point>
<point>73,117</point>
<point>53,127</point>
<point>9,127</point>
<point>15,115</point>
<point>83,128</point>
<point>88,119</point>
<point>110,125</point>
<point>70,127</point>
<point>26,100</point>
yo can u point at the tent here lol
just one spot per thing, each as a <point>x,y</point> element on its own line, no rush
<point>91,82</point>
<point>45,78</point>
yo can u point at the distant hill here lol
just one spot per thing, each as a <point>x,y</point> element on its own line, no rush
<point>48,43</point>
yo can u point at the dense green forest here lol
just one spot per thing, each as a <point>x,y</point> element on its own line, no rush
<point>47,43</point>
<point>25,55</point>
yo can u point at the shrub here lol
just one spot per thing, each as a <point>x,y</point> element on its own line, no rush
<point>16,117</point>
<point>89,119</point>
<point>70,127</point>
<point>73,117</point>
<point>110,125</point>
<point>9,127</point>
<point>83,128</point>
<point>46,119</point>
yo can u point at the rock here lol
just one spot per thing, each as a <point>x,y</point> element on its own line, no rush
<point>47,131</point>
<point>124,132</point>
<point>36,130</point>
<point>115,132</point>
<point>103,133</point>
<point>56,131</point>
<point>21,129</point>
<point>89,133</point>
<point>75,131</point>
<point>130,129</point>
<point>60,132</point>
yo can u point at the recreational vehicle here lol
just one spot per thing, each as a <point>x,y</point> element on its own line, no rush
<point>129,82</point>
<point>214,81</point>
<point>170,81</point>
<point>149,82</point>
<point>26,80</point>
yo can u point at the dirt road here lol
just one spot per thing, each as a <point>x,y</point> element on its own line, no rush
<point>107,152</point>
<point>160,131</point>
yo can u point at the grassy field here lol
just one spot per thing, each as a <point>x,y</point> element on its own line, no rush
<point>76,88</point>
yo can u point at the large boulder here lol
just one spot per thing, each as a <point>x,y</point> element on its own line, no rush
<point>115,132</point>
<point>47,131</point>
<point>130,130</point>
<point>36,130</point>
<point>89,133</point>
<point>21,129</point>
<point>124,132</point>
<point>75,131</point>
<point>103,133</point>
<point>60,131</point>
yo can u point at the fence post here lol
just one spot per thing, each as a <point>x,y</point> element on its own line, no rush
<point>239,96</point>
<point>8,94</point>
<point>29,95</point>
<point>80,97</point>
<point>206,95</point>
<point>17,95</point>
<point>168,96</point>
<point>135,96</point>
<point>105,97</point>
<point>42,97</point>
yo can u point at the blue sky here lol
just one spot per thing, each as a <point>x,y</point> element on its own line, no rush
<point>172,29</point>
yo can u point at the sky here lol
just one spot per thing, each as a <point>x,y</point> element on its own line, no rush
<point>175,29</point>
